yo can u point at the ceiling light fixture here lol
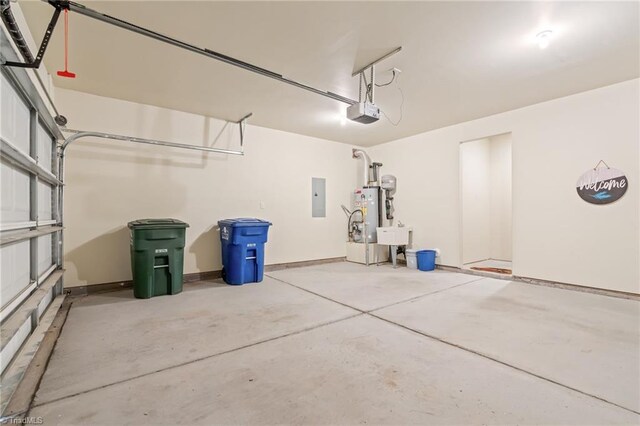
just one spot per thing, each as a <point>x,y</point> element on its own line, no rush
<point>544,38</point>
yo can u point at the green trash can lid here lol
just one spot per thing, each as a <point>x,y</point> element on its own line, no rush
<point>157,224</point>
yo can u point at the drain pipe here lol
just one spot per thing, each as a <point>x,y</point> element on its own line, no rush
<point>358,153</point>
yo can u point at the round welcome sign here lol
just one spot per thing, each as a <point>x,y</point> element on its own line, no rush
<point>602,185</point>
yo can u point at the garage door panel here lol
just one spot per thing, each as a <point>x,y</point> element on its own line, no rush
<point>9,351</point>
<point>14,117</point>
<point>15,274</point>
<point>45,258</point>
<point>44,147</point>
<point>44,201</point>
<point>15,194</point>
<point>26,211</point>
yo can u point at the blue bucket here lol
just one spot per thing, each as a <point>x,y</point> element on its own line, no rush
<point>426,260</point>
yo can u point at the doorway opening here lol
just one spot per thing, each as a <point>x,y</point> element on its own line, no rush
<point>485,178</point>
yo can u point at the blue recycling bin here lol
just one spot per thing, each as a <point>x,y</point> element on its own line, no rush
<point>243,242</point>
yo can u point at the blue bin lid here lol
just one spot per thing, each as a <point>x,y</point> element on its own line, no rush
<point>243,222</point>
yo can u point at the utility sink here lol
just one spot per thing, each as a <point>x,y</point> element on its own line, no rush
<point>394,235</point>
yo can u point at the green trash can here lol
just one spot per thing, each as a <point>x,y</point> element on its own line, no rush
<point>157,256</point>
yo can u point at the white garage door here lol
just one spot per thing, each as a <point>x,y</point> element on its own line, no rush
<point>29,222</point>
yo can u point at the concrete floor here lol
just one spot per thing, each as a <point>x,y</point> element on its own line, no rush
<point>345,344</point>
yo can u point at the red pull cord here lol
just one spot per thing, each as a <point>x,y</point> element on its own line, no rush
<point>66,38</point>
<point>66,72</point>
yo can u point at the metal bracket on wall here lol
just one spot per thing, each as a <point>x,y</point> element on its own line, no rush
<point>241,124</point>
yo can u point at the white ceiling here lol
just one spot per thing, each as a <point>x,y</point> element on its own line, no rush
<point>460,60</point>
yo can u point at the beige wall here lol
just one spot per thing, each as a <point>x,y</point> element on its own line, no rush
<point>556,235</point>
<point>110,183</point>
<point>485,167</point>
<point>500,197</point>
<point>475,165</point>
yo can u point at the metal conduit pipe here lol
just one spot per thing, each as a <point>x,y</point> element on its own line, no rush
<point>358,153</point>
<point>83,134</point>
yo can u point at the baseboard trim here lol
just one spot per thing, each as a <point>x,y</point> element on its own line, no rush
<point>98,288</point>
<point>281,266</point>
<point>581,288</point>
<point>476,272</point>
<point>201,276</point>
<point>546,283</point>
<point>191,277</point>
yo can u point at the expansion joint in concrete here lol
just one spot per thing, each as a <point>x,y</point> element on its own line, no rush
<point>129,379</point>
<point>437,339</point>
